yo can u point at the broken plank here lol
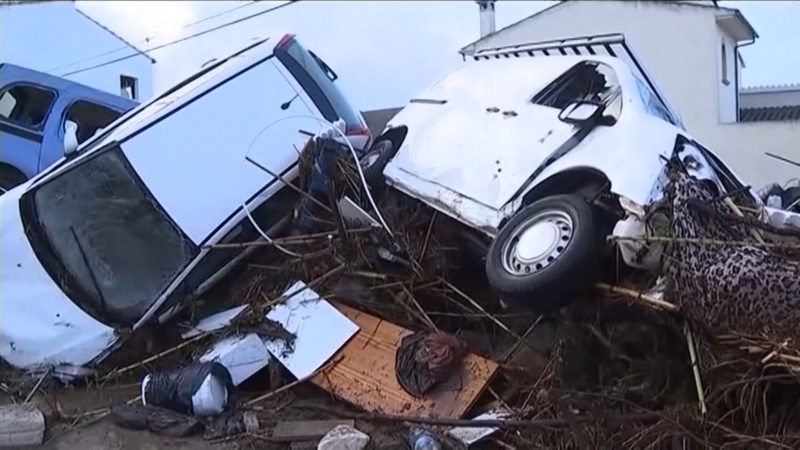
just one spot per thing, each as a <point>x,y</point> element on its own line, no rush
<point>365,375</point>
<point>306,430</point>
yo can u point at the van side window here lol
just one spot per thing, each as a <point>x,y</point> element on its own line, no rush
<point>584,81</point>
<point>26,105</point>
<point>90,117</point>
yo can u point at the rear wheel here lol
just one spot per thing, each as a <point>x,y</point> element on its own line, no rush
<point>9,179</point>
<point>547,252</point>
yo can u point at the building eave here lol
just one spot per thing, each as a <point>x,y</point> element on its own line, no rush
<point>469,49</point>
<point>735,24</point>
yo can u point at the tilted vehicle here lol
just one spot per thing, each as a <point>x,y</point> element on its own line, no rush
<point>117,234</point>
<point>35,109</point>
<point>530,145</point>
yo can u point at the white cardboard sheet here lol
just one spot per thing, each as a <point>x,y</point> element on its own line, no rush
<point>242,355</point>
<point>471,435</point>
<point>320,328</point>
<point>214,322</point>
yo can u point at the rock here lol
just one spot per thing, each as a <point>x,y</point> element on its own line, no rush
<point>21,425</point>
<point>344,437</point>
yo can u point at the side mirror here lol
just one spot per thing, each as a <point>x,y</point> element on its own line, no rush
<point>580,112</point>
<point>70,137</point>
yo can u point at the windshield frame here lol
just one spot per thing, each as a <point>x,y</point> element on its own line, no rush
<point>54,264</point>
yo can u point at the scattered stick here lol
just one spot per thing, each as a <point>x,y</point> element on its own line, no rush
<point>425,316</point>
<point>756,235</point>
<point>637,295</point>
<point>117,372</point>
<point>666,239</point>
<point>284,388</point>
<point>477,306</point>
<point>494,423</point>
<point>38,384</point>
<point>290,184</point>
<point>427,237</point>
<point>301,239</point>
<point>698,382</point>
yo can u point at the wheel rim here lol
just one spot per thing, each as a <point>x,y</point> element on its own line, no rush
<point>537,242</point>
<point>375,153</point>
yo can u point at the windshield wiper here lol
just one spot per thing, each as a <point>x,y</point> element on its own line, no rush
<point>325,67</point>
<point>89,269</point>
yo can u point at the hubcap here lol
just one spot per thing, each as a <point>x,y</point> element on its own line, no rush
<point>537,242</point>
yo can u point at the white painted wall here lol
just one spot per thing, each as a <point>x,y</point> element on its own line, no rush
<point>680,46</point>
<point>50,36</point>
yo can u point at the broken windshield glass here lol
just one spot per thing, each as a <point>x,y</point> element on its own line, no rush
<point>124,251</point>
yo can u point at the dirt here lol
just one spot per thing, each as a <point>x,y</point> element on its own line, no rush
<point>106,435</point>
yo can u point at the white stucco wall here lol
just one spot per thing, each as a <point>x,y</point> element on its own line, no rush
<point>680,46</point>
<point>49,37</point>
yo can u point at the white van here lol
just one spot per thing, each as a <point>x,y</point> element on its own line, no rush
<point>539,149</point>
<point>116,235</point>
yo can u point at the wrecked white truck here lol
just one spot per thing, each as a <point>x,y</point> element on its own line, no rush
<point>116,235</point>
<point>542,149</point>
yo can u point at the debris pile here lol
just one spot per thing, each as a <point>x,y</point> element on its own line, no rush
<point>348,333</point>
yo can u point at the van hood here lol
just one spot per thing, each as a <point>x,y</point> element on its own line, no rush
<point>39,325</point>
<point>487,163</point>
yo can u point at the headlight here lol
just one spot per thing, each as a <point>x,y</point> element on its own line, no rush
<point>631,207</point>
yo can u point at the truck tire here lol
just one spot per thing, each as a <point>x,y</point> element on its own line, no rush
<point>9,179</point>
<point>546,253</point>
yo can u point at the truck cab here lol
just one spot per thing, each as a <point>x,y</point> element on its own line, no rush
<point>37,110</point>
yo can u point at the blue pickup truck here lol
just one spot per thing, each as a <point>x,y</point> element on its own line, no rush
<point>37,111</point>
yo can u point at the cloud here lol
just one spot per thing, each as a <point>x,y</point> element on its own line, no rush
<point>143,20</point>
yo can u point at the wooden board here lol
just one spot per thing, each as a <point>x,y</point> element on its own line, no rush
<point>364,374</point>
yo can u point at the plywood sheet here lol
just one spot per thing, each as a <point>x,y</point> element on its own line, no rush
<point>364,374</point>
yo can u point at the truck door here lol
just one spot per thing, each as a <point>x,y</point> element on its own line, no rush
<point>89,115</point>
<point>24,111</point>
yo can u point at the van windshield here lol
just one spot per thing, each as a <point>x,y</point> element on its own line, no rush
<point>314,76</point>
<point>103,237</point>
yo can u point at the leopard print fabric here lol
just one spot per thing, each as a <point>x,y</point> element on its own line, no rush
<point>727,288</point>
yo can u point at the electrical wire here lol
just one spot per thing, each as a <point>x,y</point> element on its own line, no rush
<point>148,39</point>
<point>183,39</point>
<point>330,125</point>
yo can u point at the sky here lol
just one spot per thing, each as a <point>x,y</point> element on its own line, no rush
<point>385,51</point>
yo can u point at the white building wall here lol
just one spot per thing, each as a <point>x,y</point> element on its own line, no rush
<point>51,37</point>
<point>680,46</point>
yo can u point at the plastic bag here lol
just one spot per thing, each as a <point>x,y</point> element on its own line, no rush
<point>199,389</point>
